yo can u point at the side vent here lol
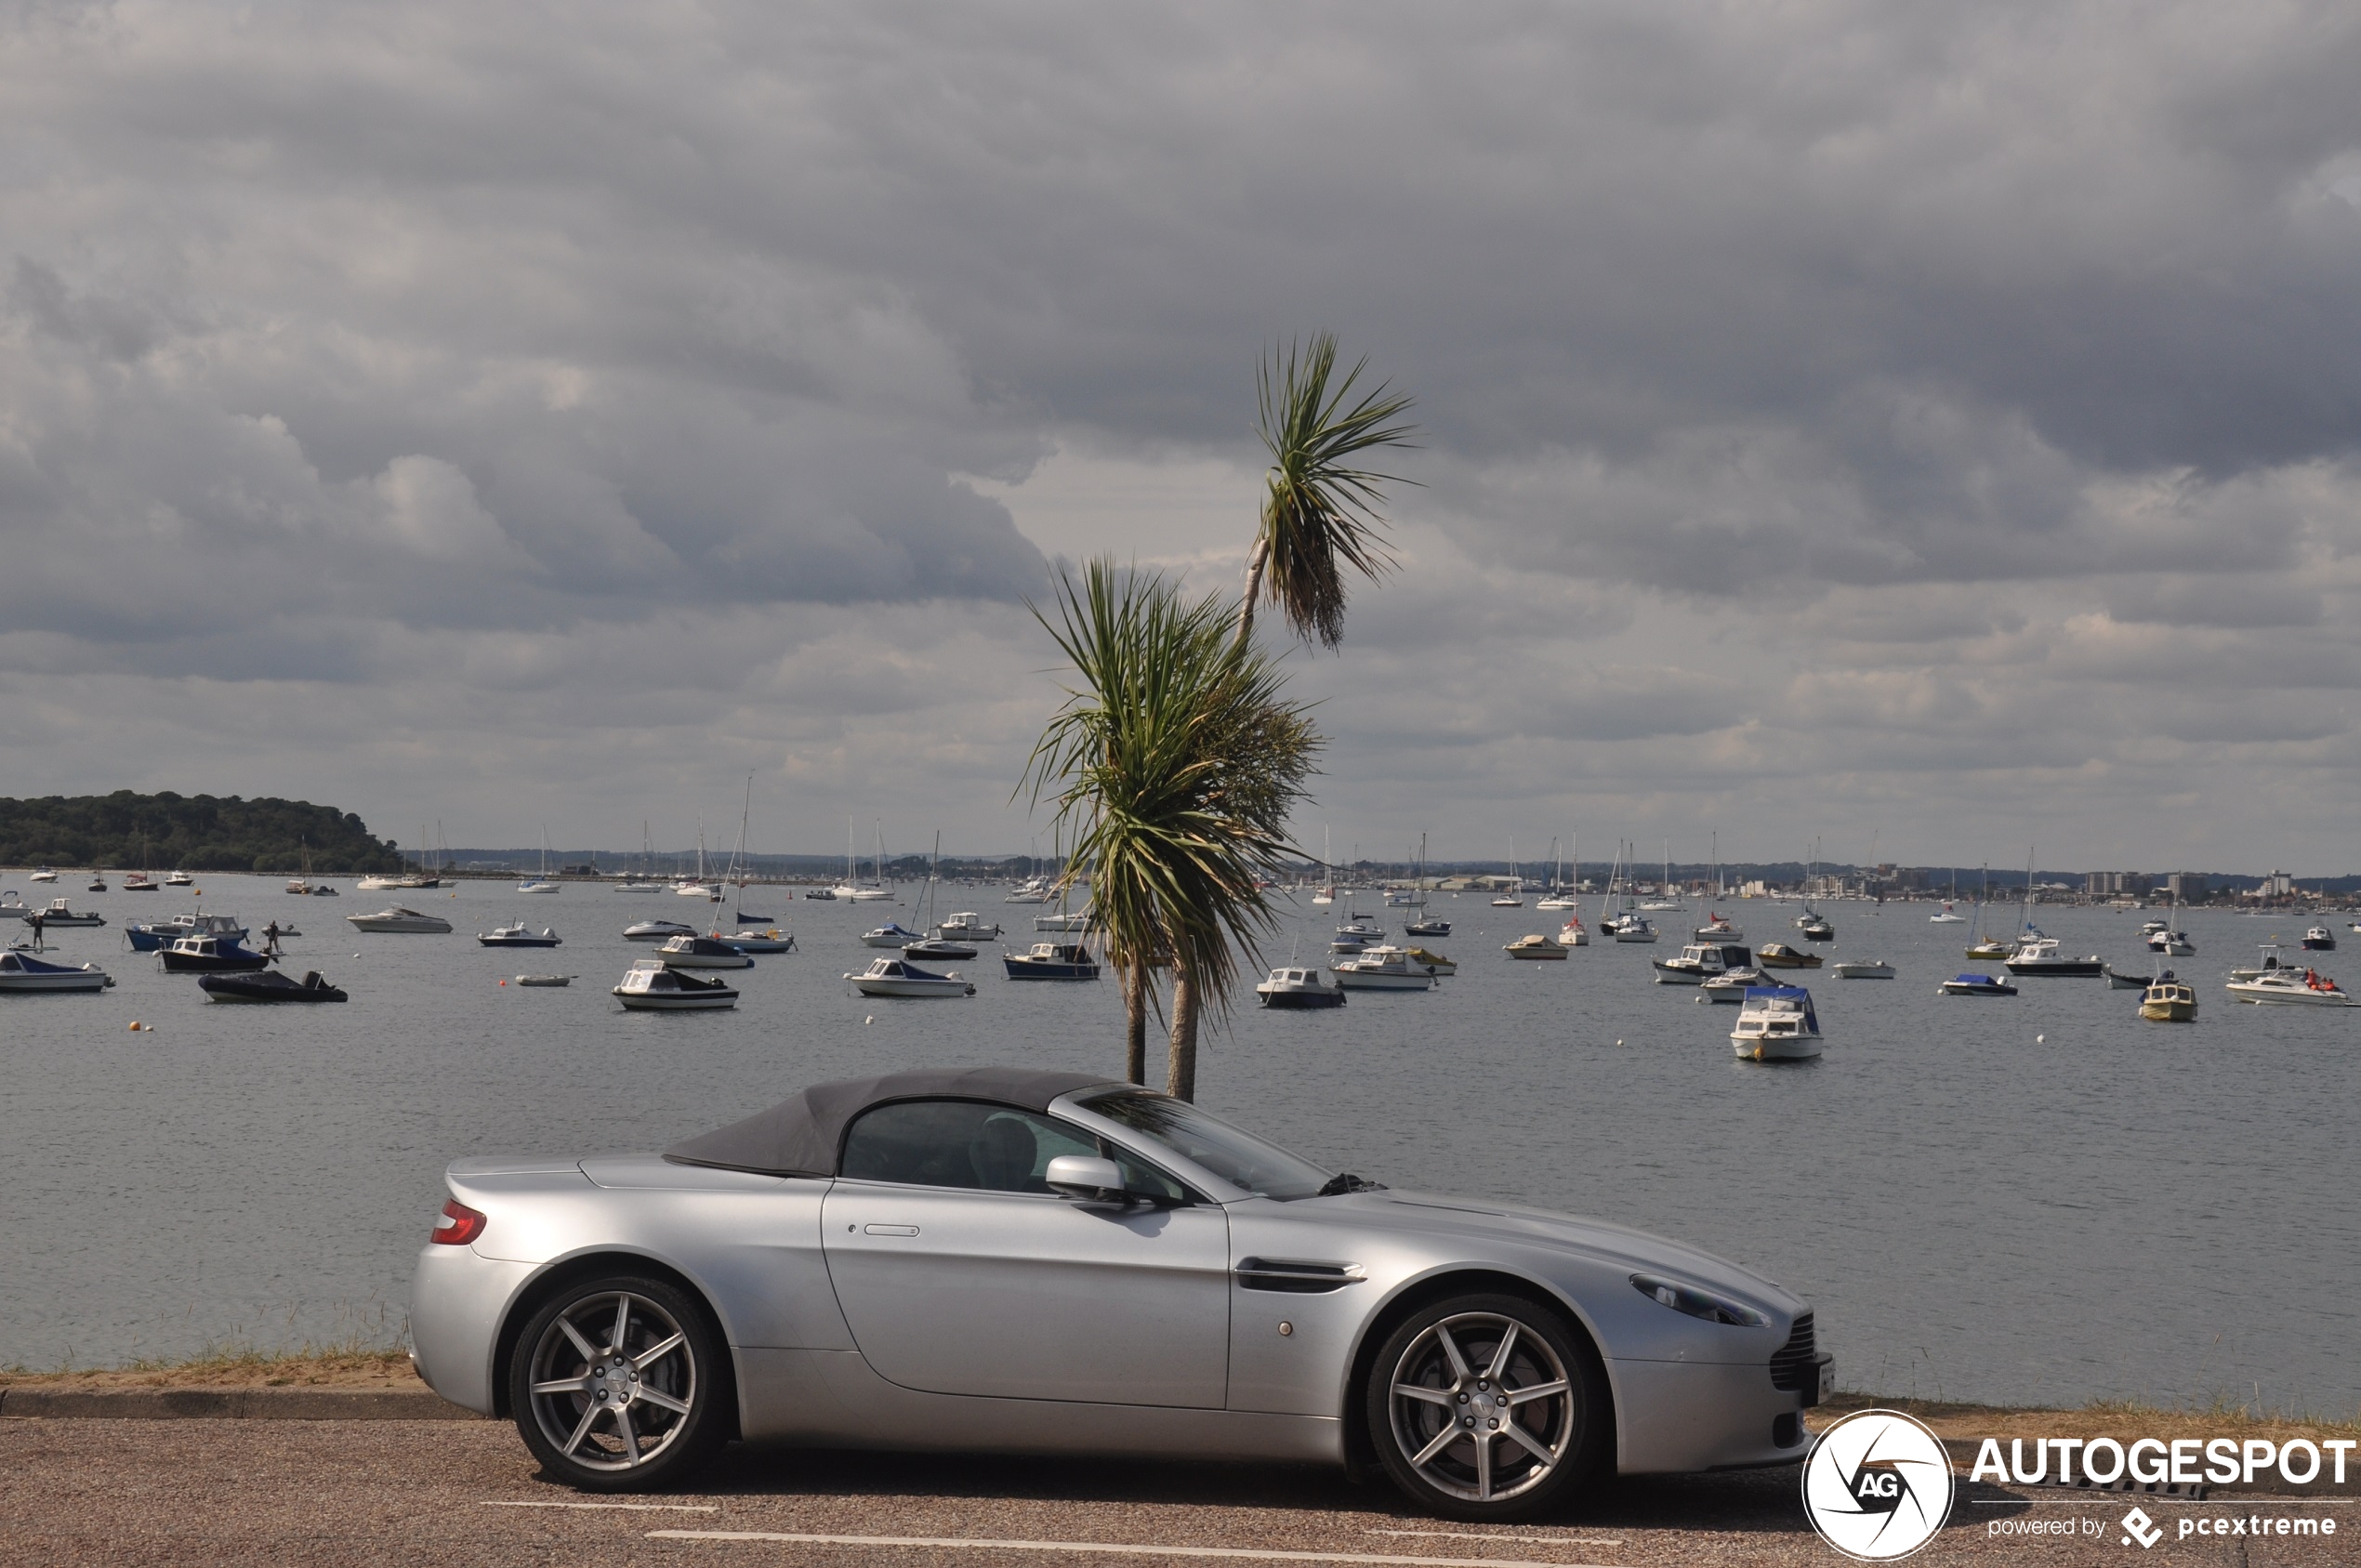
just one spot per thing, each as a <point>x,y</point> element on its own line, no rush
<point>1294,1277</point>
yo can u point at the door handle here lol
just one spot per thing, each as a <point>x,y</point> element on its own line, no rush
<point>889,1230</point>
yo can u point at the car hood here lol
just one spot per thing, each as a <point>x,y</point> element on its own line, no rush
<point>1598,1241</point>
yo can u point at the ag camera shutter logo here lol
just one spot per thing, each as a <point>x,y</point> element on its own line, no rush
<point>1878,1485</point>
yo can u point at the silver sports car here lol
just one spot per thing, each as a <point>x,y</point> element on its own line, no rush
<point>1046,1262</point>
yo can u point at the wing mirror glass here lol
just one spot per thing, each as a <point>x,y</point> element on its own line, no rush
<point>1086,1178</point>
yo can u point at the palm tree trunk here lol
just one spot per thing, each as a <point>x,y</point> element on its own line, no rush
<point>1135,1023</point>
<point>1182,1071</point>
<point>1257,561</point>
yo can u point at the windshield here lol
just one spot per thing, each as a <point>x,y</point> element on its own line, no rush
<point>1238,1157</point>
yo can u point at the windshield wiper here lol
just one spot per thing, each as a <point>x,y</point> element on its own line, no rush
<point>1345,1181</point>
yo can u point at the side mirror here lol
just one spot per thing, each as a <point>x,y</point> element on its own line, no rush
<point>1085,1179</point>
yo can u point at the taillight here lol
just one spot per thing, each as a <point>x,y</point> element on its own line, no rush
<point>459,1224</point>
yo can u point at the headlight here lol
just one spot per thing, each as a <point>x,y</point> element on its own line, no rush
<point>1697,1303</point>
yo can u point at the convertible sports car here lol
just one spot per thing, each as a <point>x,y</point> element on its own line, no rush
<point>1043,1262</point>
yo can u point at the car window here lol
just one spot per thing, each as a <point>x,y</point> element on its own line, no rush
<point>1235,1155</point>
<point>989,1148</point>
<point>958,1143</point>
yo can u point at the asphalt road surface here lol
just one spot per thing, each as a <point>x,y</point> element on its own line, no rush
<point>417,1493</point>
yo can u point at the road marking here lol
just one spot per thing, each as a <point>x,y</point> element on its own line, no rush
<point>1546,1540</point>
<point>1119,1548</point>
<point>631,1508</point>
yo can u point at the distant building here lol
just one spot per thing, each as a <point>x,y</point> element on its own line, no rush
<point>2117,884</point>
<point>2187,887</point>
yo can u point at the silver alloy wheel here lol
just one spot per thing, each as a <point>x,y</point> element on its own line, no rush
<point>1482,1407</point>
<point>614,1381</point>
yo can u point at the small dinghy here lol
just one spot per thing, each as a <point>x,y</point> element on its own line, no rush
<point>657,930</point>
<point>1978,985</point>
<point>1777,1023</point>
<point>1292,988</point>
<point>268,985</point>
<point>22,971</point>
<point>545,980</point>
<point>1052,960</point>
<point>1860,970</point>
<point>208,955</point>
<point>896,977</point>
<point>702,952</point>
<point>516,935</point>
<point>654,986</point>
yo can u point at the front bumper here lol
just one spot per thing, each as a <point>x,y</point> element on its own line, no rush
<point>1677,1417</point>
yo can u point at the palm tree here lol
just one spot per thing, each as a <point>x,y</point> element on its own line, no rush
<point>1319,513</point>
<point>1175,763</point>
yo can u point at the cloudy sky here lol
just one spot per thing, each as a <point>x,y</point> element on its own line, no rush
<point>1926,427</point>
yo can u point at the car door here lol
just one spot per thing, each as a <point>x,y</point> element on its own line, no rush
<point>959,1273</point>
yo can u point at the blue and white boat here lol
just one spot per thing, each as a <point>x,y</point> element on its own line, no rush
<point>894,934</point>
<point>22,971</point>
<point>1052,960</point>
<point>1777,1023</point>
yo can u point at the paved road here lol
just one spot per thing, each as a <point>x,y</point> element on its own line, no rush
<point>298,1493</point>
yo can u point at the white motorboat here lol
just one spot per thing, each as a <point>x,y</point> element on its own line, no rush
<point>2292,988</point>
<point>1777,1023</point>
<point>1563,898</point>
<point>1391,970</point>
<point>1814,926</point>
<point>1877,969</point>
<point>1052,960</point>
<point>705,891</point>
<point>654,986</point>
<point>851,894</point>
<point>2038,954</point>
<point>702,952</point>
<point>656,930</point>
<point>537,885</point>
<point>1732,986</point>
<point>395,917</point>
<point>61,916</point>
<point>968,925</point>
<point>1292,987</point>
<point>1534,945</point>
<point>375,882</point>
<point>2150,927</point>
<point>2269,963</point>
<point>938,950</point>
<point>822,895</point>
<point>22,971</point>
<point>1508,901</point>
<point>1635,927</point>
<point>179,879</point>
<point>1064,920</point>
<point>2319,939</point>
<point>1949,916</point>
<point>43,875</point>
<point>1033,889</point>
<point>894,934</point>
<point>1356,934</point>
<point>516,935</point>
<point>2174,944</point>
<point>1976,985</point>
<point>1718,929</point>
<point>898,977</point>
<point>1701,961</point>
<point>771,939</point>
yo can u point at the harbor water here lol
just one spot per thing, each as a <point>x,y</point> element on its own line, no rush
<point>2036,1199</point>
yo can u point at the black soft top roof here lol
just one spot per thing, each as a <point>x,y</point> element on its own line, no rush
<point>801,1136</point>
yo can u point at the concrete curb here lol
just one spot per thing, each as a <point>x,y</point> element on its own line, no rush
<point>236,1405</point>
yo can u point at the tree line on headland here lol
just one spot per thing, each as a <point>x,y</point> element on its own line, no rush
<point>129,831</point>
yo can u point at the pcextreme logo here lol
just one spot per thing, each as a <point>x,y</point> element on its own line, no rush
<point>2138,1526</point>
<point>1876,1485</point>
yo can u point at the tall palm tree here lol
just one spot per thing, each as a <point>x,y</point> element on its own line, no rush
<point>1319,512</point>
<point>1175,763</point>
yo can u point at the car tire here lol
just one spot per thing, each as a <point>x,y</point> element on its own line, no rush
<point>620,1384</point>
<point>1487,1407</point>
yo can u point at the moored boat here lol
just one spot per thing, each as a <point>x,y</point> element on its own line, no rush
<point>968,925</point>
<point>2292,988</point>
<point>2319,939</point>
<point>1856,969</point>
<point>1779,956</point>
<point>151,936</point>
<point>1572,934</point>
<point>1433,926</point>
<point>518,935</point>
<point>898,977</point>
<point>1634,926</point>
<point>1977,985</point>
<point>654,986</point>
<point>770,938</point>
<point>1388,969</point>
<point>1701,961</point>
<point>2117,981</point>
<point>2168,1000</point>
<point>209,954</point>
<point>1291,987</point>
<point>23,973</point>
<point>657,930</point>
<point>1718,928</point>
<point>1732,986</point>
<point>267,985</point>
<point>1777,1023</point>
<point>702,952</point>
<point>1435,962</point>
<point>2040,956</point>
<point>1052,960</point>
<point>1536,945</point>
<point>61,916</point>
<point>401,920</point>
<point>938,949</point>
<point>894,934</point>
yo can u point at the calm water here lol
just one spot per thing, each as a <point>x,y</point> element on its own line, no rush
<point>2127,1209</point>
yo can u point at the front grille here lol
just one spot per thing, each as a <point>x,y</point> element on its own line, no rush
<point>1795,1366</point>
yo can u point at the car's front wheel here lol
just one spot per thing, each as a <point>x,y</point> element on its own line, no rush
<point>1486,1408</point>
<point>619,1384</point>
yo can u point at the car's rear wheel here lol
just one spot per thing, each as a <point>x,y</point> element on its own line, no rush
<point>1486,1408</point>
<point>619,1384</point>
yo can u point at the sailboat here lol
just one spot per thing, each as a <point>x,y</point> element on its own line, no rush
<point>1812,923</point>
<point>1425,925</point>
<point>1327,893</point>
<point>1949,915</point>
<point>1560,894</point>
<point>1668,900</point>
<point>860,893</point>
<point>1718,927</point>
<point>1630,925</point>
<point>1986,946</point>
<point>1514,897</point>
<point>541,883</point>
